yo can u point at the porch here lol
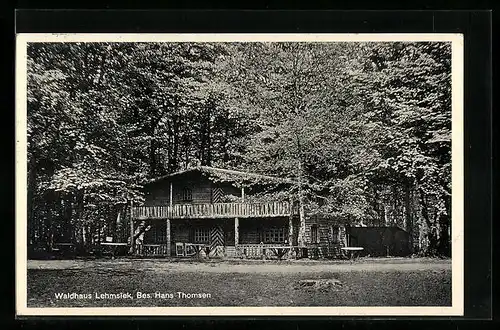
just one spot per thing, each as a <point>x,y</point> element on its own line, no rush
<point>256,237</point>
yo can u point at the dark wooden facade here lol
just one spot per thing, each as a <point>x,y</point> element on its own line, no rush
<point>209,206</point>
<point>328,234</point>
<point>189,188</point>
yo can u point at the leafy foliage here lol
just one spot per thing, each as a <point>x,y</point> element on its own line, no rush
<point>365,128</point>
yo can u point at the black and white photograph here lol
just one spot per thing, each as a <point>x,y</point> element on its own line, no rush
<point>250,174</point>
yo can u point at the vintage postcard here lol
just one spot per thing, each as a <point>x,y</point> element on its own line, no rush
<point>239,174</point>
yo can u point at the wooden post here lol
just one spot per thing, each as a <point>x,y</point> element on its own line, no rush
<point>243,194</point>
<point>131,229</point>
<point>171,194</point>
<point>236,232</point>
<point>168,239</point>
<point>290,230</point>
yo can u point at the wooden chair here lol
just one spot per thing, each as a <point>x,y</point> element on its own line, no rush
<point>179,250</point>
<point>189,250</point>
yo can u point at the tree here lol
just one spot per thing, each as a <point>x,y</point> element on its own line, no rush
<point>363,128</point>
<point>73,107</point>
<point>406,90</point>
<point>298,103</point>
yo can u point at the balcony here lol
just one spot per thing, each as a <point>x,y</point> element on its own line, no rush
<point>216,210</point>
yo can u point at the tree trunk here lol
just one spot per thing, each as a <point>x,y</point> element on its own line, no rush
<point>205,133</point>
<point>409,216</point>
<point>152,157</point>
<point>225,144</point>
<point>431,232</point>
<point>153,146</point>
<point>301,240</point>
<point>376,205</point>
<point>175,156</point>
<point>444,244</point>
<point>32,219</point>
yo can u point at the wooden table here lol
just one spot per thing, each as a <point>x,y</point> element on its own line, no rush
<point>58,246</point>
<point>352,251</point>
<point>113,246</point>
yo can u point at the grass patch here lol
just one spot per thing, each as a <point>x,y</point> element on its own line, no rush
<point>361,288</point>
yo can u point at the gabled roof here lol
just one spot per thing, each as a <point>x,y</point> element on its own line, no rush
<point>227,175</point>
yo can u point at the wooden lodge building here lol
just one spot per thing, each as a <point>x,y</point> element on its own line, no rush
<point>231,212</point>
<point>240,214</point>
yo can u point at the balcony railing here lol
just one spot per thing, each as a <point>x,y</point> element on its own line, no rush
<point>215,210</point>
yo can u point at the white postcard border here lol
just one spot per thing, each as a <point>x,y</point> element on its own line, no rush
<point>457,308</point>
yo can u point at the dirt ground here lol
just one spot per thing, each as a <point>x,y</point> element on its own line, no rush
<point>161,282</point>
<point>247,266</point>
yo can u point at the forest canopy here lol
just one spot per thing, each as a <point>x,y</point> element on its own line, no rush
<point>371,122</point>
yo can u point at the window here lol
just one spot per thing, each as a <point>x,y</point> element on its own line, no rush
<point>161,233</point>
<point>335,234</point>
<point>201,235</point>
<point>274,235</point>
<point>314,234</point>
<point>187,195</point>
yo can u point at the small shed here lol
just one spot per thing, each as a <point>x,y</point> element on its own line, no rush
<point>380,241</point>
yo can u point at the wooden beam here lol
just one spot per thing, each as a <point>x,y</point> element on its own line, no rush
<point>131,228</point>
<point>171,194</point>
<point>168,239</point>
<point>236,232</point>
